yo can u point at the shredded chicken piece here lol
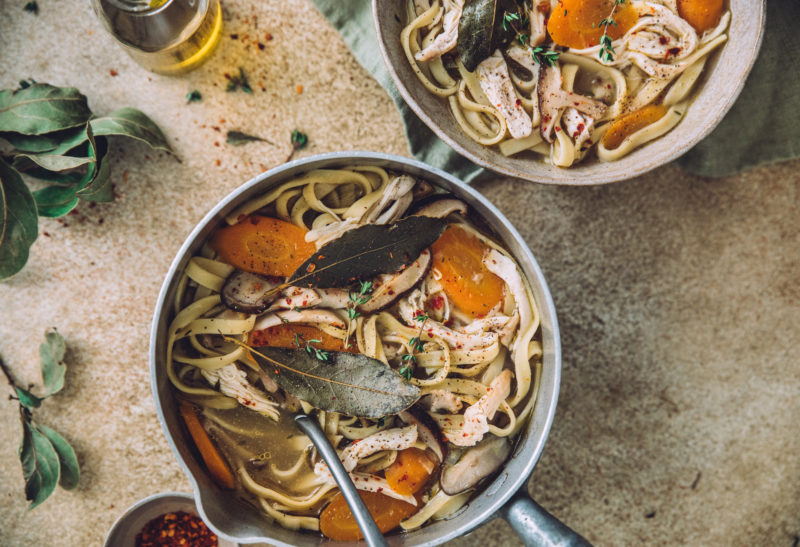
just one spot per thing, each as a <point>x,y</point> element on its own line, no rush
<point>578,126</point>
<point>496,84</point>
<point>302,316</point>
<point>398,438</point>
<point>447,39</point>
<point>411,307</point>
<point>654,32</point>
<point>552,98</point>
<point>232,382</point>
<point>477,416</point>
<point>364,481</point>
<point>538,17</point>
<point>441,399</point>
<point>503,267</point>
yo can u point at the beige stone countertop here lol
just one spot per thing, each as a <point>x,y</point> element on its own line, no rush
<point>678,296</point>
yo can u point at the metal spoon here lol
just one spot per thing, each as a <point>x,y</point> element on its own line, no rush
<point>372,534</point>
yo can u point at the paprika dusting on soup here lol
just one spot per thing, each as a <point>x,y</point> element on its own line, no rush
<point>173,529</point>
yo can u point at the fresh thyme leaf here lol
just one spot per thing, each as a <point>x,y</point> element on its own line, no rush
<point>542,56</point>
<point>237,138</point>
<point>406,372</point>
<point>193,96</point>
<point>421,317</point>
<point>32,7</point>
<point>299,139</point>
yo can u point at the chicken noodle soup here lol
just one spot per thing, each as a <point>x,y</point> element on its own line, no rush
<point>420,357</point>
<point>563,79</point>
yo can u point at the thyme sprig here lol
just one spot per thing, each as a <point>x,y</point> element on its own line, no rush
<point>607,52</point>
<point>314,351</point>
<point>415,345</point>
<point>519,19</point>
<point>357,297</point>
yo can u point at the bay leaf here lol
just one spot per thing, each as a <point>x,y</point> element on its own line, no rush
<point>69,470</point>
<point>40,467</point>
<point>37,144</point>
<point>51,353</point>
<point>481,31</point>
<point>99,187</point>
<point>366,251</point>
<point>55,201</point>
<point>42,108</point>
<point>129,122</point>
<point>28,399</point>
<point>53,162</point>
<point>349,383</point>
<point>19,223</point>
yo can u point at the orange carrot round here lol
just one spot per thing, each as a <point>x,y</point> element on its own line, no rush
<point>283,336</point>
<point>410,471</point>
<point>264,245</point>
<point>632,122</point>
<point>338,523</point>
<point>458,255</point>
<point>217,467</point>
<point>576,23</point>
<point>701,14</point>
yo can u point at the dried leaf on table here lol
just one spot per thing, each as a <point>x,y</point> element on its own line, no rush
<point>366,251</point>
<point>40,467</point>
<point>53,367</point>
<point>349,383</point>
<point>42,108</point>
<point>19,224</point>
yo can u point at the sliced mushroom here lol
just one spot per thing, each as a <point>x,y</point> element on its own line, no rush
<point>390,287</point>
<point>476,464</point>
<point>442,208</point>
<point>427,430</point>
<point>248,292</point>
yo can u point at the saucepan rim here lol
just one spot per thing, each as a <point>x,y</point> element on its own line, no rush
<point>530,445</point>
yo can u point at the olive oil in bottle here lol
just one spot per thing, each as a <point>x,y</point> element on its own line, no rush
<point>165,36</point>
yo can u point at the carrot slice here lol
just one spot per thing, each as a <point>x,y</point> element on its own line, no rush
<point>217,467</point>
<point>458,255</point>
<point>630,123</point>
<point>283,336</point>
<point>576,23</point>
<point>410,471</point>
<point>263,245</point>
<point>701,14</point>
<point>338,523</point>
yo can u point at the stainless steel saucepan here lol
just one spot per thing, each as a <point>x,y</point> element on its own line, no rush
<point>505,496</point>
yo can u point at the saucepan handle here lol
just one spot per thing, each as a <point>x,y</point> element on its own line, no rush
<point>536,527</point>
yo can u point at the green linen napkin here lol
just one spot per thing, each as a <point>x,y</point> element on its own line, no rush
<point>762,127</point>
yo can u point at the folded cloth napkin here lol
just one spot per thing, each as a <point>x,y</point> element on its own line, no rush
<point>762,127</point>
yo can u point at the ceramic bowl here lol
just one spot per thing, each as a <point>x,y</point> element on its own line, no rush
<point>124,531</point>
<point>723,80</point>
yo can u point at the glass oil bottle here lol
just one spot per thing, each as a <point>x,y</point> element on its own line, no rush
<point>164,36</point>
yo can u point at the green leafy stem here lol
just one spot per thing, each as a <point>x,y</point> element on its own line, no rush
<point>47,458</point>
<point>56,138</point>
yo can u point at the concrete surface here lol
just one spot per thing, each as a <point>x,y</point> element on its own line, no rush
<point>678,296</point>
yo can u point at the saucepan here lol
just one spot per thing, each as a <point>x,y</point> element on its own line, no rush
<point>232,518</point>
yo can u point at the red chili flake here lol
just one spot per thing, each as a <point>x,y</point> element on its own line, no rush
<point>234,36</point>
<point>173,529</point>
<point>663,40</point>
<point>558,128</point>
<point>218,163</point>
<point>518,103</point>
<point>268,37</point>
<point>113,72</point>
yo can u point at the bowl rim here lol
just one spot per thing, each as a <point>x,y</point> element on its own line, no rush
<point>548,175</point>
<point>531,441</point>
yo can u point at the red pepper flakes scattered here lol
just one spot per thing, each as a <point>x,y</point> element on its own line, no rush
<point>173,529</point>
<point>113,72</point>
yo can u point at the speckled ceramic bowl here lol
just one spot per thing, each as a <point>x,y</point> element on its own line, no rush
<point>724,78</point>
<point>123,533</point>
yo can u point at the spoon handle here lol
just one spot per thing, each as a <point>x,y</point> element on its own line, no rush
<point>364,520</point>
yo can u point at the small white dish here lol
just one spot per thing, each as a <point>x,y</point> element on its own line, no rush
<point>124,531</point>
